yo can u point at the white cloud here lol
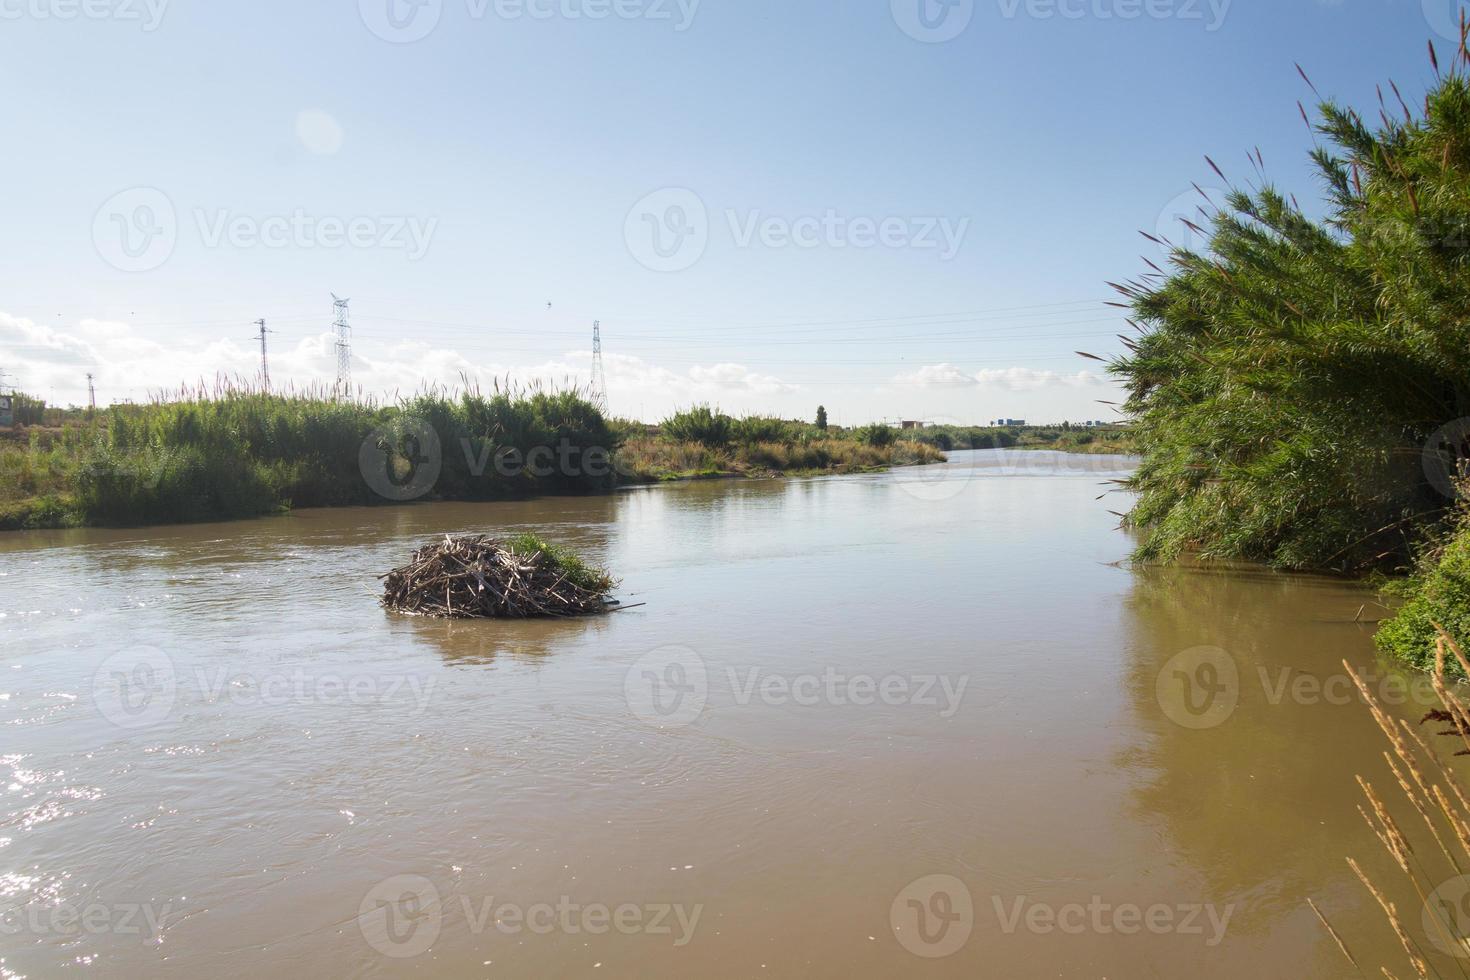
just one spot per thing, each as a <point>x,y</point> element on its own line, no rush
<point>1025,379</point>
<point>53,362</point>
<point>737,377</point>
<point>1009,379</point>
<point>938,374</point>
<point>130,362</point>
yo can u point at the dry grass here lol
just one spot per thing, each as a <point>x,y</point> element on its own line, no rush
<point>1429,784</point>
<point>656,459</point>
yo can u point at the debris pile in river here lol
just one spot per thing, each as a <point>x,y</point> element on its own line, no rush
<point>478,577</point>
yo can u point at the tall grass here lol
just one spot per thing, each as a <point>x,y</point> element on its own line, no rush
<point>233,451</point>
<point>230,450</point>
<point>878,435</point>
<point>702,424</point>
<point>1435,848</point>
<point>948,437</point>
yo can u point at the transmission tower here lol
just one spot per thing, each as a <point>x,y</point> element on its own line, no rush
<point>265,371</point>
<point>343,333</point>
<point>599,377</point>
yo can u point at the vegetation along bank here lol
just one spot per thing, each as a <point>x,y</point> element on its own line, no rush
<point>1299,388</point>
<point>231,452</point>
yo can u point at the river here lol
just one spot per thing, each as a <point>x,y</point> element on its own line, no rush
<point>922,723</point>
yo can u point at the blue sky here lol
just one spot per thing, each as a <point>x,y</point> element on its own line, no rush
<point>872,218</point>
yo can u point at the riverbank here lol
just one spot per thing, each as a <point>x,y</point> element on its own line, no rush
<point>235,453</point>
<point>1093,439</point>
<point>661,460</point>
<point>1084,444</point>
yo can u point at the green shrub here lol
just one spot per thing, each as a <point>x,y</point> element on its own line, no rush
<point>756,428</point>
<point>1439,593</point>
<point>701,424</point>
<point>48,511</point>
<point>235,452</point>
<point>878,435</point>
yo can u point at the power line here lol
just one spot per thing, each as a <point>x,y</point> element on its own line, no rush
<point>943,333</point>
<point>817,327</point>
<point>660,355</point>
<point>723,318</point>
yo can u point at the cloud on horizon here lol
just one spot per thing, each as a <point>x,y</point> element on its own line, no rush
<point>128,365</point>
<point>1010,379</point>
<point>52,361</point>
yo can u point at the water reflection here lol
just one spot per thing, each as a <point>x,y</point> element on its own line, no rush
<point>1261,802</point>
<point>480,643</point>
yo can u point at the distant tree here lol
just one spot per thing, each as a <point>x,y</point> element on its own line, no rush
<point>822,417</point>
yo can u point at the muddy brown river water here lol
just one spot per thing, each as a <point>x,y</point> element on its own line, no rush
<point>910,724</point>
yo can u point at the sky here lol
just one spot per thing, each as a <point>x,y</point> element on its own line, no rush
<point>893,208</point>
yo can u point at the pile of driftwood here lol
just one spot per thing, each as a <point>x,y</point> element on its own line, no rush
<point>477,577</point>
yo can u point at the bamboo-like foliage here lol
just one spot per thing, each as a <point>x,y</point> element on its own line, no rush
<point>1285,381</point>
